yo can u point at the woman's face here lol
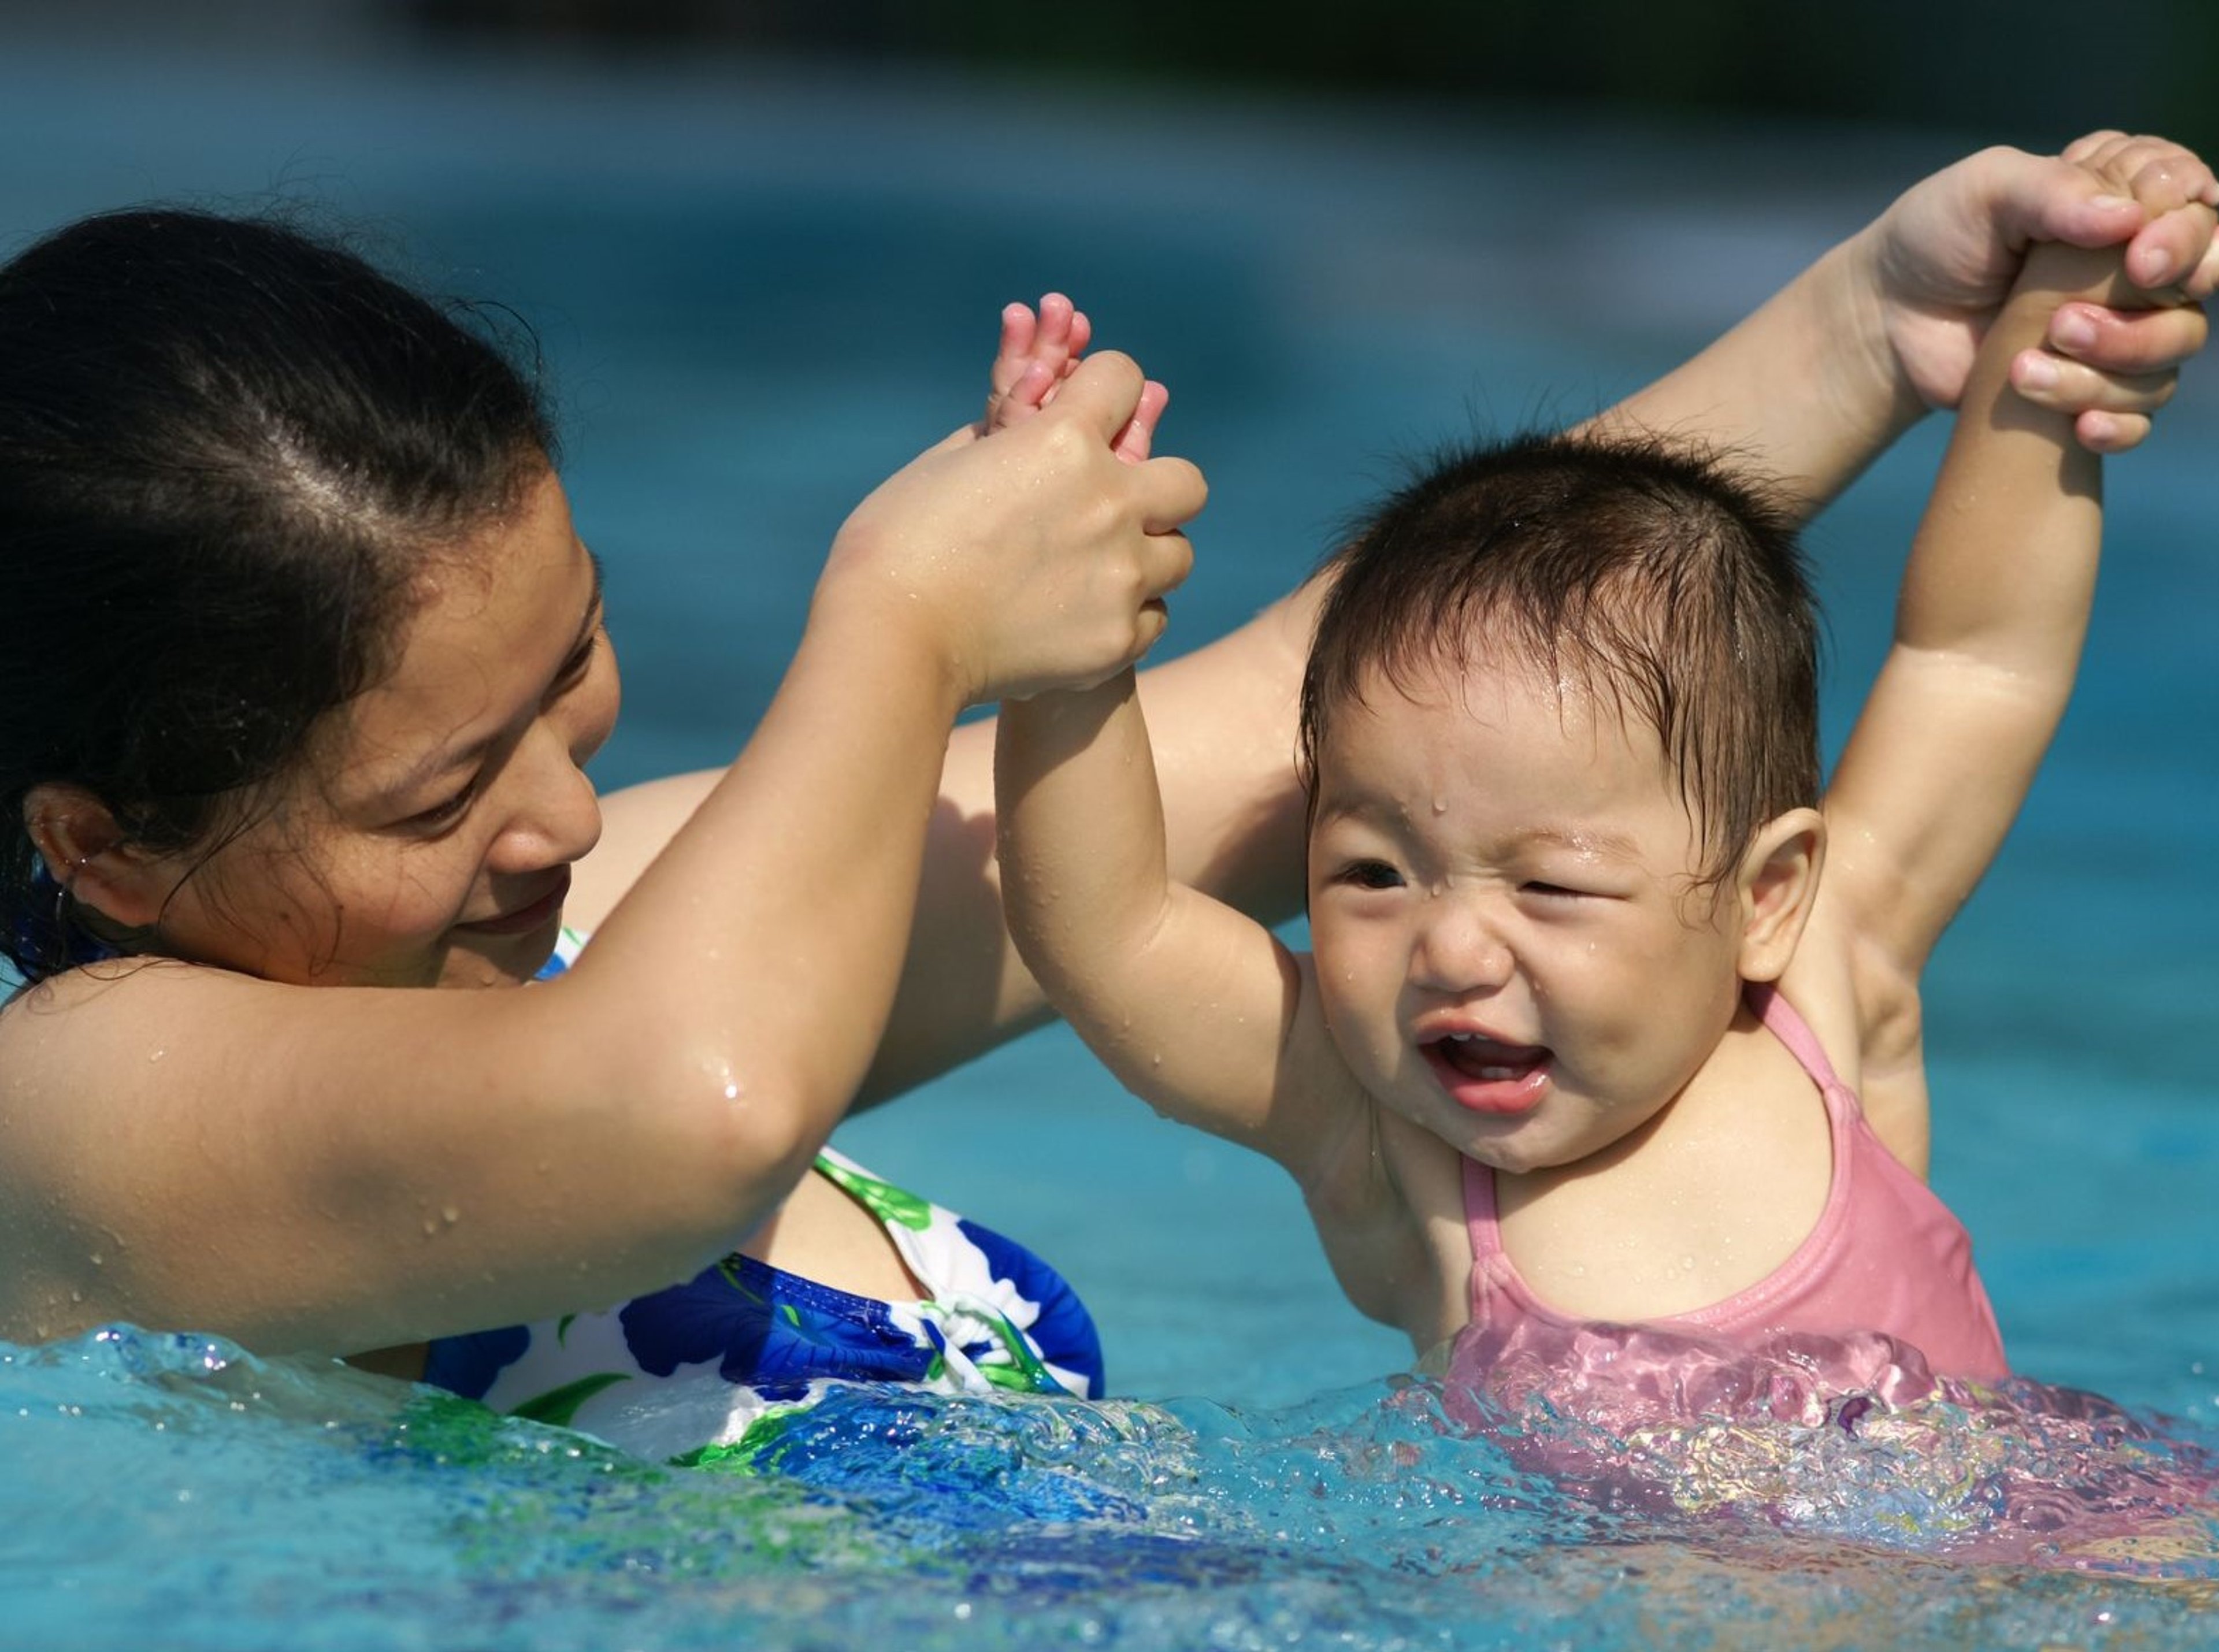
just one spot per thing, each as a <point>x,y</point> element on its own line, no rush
<point>426,838</point>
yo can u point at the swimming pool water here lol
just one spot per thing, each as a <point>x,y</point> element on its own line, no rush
<point>758,291</point>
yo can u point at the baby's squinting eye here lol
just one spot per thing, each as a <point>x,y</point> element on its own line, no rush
<point>1551,891</point>
<point>1372,875</point>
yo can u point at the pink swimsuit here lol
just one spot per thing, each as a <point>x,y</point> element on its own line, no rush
<point>1886,1276</point>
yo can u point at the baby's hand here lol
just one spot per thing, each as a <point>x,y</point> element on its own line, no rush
<point>1037,354</point>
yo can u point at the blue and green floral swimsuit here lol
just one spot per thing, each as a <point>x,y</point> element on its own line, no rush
<point>994,1316</point>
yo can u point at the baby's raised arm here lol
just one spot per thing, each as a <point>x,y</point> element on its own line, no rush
<point>1124,952</point>
<point>1198,1009</point>
<point>1994,603</point>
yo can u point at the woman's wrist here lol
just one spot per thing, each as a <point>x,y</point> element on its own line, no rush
<point>1862,364</point>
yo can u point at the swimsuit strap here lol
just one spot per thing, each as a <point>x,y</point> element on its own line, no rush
<point>1782,1021</point>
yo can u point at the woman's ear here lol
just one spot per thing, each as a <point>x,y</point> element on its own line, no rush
<point>87,852</point>
<point>1776,886</point>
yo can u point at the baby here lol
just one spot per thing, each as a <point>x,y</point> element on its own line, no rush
<point>1585,1034</point>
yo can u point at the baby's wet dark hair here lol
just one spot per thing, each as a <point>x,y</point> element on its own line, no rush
<point>226,445</point>
<point>1642,569</point>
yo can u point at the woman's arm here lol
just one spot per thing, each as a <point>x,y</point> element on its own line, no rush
<point>336,1169</point>
<point>1813,386</point>
<point>1822,378</point>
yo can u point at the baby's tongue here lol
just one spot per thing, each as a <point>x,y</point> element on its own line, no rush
<point>1483,1057</point>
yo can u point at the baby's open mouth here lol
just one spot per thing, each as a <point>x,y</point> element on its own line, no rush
<point>1490,1060</point>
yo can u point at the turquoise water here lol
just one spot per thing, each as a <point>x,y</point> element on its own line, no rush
<point>758,293</point>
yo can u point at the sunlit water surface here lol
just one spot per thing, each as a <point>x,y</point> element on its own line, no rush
<point>758,293</point>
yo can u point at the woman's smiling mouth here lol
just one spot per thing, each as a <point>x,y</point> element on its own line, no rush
<point>523,919</point>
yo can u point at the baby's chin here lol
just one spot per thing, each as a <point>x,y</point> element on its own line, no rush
<point>1514,1159</point>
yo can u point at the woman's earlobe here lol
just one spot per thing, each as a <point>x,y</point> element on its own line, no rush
<point>88,854</point>
<point>1779,886</point>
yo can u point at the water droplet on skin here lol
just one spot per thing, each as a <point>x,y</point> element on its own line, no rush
<point>157,1055</point>
<point>1440,805</point>
<point>430,1228</point>
<point>731,1092</point>
<point>450,1214</point>
<point>1686,1264</point>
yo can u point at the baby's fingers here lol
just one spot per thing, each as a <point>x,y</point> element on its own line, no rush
<point>1023,399</point>
<point>2160,175</point>
<point>1139,434</point>
<point>1014,352</point>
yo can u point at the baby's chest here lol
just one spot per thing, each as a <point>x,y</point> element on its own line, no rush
<point>1679,1223</point>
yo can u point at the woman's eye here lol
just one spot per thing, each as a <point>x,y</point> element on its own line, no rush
<point>446,811</point>
<point>575,668</point>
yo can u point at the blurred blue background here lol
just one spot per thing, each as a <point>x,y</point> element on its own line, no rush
<point>763,247</point>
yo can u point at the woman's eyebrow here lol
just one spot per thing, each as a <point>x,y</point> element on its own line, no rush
<point>451,760</point>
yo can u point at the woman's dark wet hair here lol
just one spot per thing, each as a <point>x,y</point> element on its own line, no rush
<point>1647,571</point>
<point>225,446</point>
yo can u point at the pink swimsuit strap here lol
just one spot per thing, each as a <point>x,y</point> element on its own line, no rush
<point>1779,1018</point>
<point>1885,1268</point>
<point>1784,1023</point>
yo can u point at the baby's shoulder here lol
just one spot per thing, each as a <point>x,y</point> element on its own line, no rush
<point>1391,1218</point>
<point>1866,1011</point>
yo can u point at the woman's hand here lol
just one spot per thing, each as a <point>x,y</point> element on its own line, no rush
<point>1943,256</point>
<point>1037,353</point>
<point>1034,558</point>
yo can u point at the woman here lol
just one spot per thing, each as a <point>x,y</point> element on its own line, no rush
<point>308,660</point>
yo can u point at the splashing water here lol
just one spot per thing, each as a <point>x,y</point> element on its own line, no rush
<point>173,1488</point>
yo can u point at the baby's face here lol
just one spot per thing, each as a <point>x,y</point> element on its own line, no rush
<point>1512,948</point>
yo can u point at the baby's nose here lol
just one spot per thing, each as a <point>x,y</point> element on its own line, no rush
<point>1458,949</point>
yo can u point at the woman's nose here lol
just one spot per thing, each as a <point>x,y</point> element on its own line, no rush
<point>556,815</point>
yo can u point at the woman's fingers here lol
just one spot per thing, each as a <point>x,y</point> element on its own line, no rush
<point>2174,250</point>
<point>2110,432</point>
<point>2127,343</point>
<point>1171,494</point>
<point>2064,385</point>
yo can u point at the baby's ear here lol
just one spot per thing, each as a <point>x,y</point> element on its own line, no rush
<point>88,854</point>
<point>1777,885</point>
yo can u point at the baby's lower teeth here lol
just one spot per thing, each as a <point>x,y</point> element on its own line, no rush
<point>1495,1074</point>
